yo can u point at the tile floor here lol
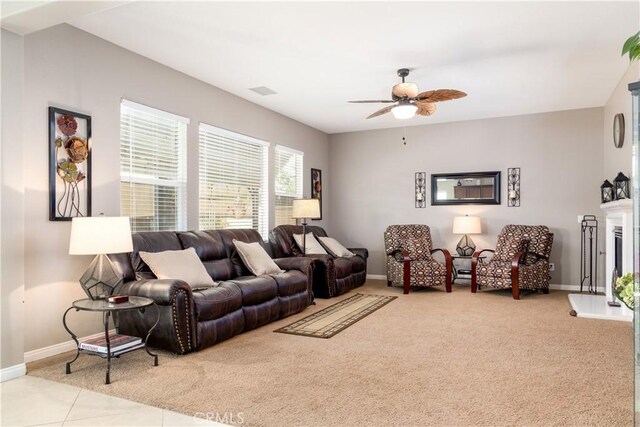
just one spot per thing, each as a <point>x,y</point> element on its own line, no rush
<point>31,401</point>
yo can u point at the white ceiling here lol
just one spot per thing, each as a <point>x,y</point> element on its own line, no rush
<point>510,57</point>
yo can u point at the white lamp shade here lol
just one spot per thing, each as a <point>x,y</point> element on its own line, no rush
<point>467,225</point>
<point>306,208</point>
<point>404,111</point>
<point>100,235</point>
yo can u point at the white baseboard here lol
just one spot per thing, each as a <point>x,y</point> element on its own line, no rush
<point>12,372</point>
<point>52,350</point>
<point>571,288</point>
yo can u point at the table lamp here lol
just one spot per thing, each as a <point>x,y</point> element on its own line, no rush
<point>305,209</point>
<point>100,235</point>
<point>466,225</point>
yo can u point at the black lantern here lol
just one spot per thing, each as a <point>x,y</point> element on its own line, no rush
<point>621,186</point>
<point>606,192</point>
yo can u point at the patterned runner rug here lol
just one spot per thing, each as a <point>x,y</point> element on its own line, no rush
<point>333,319</point>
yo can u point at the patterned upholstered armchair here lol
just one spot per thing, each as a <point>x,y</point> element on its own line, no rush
<point>410,261</point>
<point>520,260</point>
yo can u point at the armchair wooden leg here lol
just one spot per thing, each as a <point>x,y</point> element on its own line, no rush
<point>545,291</point>
<point>407,273</point>
<point>514,276</point>
<point>388,283</point>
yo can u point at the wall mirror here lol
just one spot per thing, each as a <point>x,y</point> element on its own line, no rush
<point>478,188</point>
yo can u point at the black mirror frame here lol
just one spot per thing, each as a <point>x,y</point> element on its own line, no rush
<point>496,188</point>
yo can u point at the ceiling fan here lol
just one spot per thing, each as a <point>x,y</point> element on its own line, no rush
<point>408,102</point>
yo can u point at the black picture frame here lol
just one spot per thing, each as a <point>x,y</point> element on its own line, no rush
<point>69,164</point>
<point>494,199</point>
<point>316,187</point>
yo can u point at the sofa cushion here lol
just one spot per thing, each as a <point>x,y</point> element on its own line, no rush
<point>291,282</point>
<point>213,303</point>
<point>313,247</point>
<point>335,247</point>
<point>212,252</point>
<point>256,290</point>
<point>184,265</point>
<point>256,259</point>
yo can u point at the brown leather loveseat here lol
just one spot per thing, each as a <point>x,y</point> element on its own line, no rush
<point>332,275</point>
<point>194,319</point>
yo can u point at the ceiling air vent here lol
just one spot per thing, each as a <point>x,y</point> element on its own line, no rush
<point>262,90</point>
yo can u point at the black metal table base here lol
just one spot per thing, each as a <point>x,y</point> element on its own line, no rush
<point>106,316</point>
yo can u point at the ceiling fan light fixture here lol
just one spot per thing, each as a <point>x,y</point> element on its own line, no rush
<point>404,111</point>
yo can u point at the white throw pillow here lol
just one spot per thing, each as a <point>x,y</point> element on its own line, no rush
<point>313,247</point>
<point>335,247</point>
<point>184,265</point>
<point>256,258</point>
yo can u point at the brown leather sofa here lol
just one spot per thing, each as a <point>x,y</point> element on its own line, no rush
<point>332,275</point>
<point>192,320</point>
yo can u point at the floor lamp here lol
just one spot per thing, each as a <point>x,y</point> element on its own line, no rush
<point>305,209</point>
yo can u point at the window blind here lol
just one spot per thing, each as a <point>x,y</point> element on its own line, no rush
<point>233,181</point>
<point>153,168</point>
<point>288,182</point>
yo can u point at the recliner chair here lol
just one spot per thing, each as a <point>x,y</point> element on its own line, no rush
<point>520,260</point>
<point>410,261</point>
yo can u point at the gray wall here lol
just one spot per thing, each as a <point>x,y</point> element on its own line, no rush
<point>560,156</point>
<point>619,159</point>
<point>71,69</point>
<point>12,210</point>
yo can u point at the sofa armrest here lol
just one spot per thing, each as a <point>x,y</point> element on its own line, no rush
<point>363,252</point>
<point>176,329</point>
<point>161,291</point>
<point>304,264</point>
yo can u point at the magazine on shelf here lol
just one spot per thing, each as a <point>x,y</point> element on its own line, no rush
<point>117,343</point>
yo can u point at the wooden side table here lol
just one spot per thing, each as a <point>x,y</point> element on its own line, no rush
<point>109,309</point>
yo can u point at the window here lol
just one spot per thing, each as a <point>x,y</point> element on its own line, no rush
<point>233,181</point>
<point>288,176</point>
<point>153,168</point>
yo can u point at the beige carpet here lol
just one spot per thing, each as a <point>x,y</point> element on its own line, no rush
<point>429,358</point>
<point>337,317</point>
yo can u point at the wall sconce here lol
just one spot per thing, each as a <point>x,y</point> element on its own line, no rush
<point>621,186</point>
<point>421,189</point>
<point>513,187</point>
<point>606,192</point>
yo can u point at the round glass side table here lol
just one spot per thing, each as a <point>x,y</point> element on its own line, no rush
<point>108,310</point>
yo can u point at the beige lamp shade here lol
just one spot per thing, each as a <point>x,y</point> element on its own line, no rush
<point>306,208</point>
<point>100,235</point>
<point>467,225</point>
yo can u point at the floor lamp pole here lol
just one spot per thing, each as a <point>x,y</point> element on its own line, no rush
<point>304,236</point>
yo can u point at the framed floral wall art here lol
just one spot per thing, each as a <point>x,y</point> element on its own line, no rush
<point>316,186</point>
<point>69,164</point>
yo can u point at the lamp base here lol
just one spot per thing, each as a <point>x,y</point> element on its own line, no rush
<point>466,247</point>
<point>101,278</point>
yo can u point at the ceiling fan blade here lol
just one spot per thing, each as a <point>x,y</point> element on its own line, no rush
<point>402,90</point>
<point>381,112</point>
<point>425,108</point>
<point>371,101</point>
<point>440,95</point>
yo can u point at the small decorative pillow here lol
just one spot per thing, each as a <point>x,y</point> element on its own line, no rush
<point>256,258</point>
<point>183,265</point>
<point>313,247</point>
<point>335,247</point>
<point>511,248</point>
